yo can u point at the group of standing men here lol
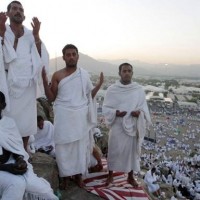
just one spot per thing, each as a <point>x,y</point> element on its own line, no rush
<point>24,59</point>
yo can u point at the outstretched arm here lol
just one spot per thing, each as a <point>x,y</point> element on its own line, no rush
<point>98,85</point>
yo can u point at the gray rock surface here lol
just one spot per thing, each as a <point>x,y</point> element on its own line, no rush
<point>45,166</point>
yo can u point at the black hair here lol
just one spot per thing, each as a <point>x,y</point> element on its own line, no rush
<point>2,99</point>
<point>9,5</point>
<point>153,169</point>
<point>127,64</point>
<point>69,46</point>
<point>39,118</point>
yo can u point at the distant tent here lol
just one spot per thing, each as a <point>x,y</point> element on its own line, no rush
<point>150,139</point>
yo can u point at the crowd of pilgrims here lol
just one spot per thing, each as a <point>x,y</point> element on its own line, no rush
<point>175,154</point>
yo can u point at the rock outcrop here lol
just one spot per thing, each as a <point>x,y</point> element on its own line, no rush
<point>45,166</point>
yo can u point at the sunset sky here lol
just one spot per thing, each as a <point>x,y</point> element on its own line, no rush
<point>153,31</point>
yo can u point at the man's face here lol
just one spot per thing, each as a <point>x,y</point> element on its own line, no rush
<point>40,124</point>
<point>16,13</point>
<point>126,74</point>
<point>71,57</point>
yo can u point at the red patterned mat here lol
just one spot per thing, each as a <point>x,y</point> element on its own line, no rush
<point>118,190</point>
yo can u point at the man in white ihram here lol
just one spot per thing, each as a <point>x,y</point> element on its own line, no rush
<point>126,113</point>
<point>72,92</point>
<point>44,139</point>
<point>22,56</point>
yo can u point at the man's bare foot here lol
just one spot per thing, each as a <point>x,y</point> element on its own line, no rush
<point>109,180</point>
<point>79,181</point>
<point>133,182</point>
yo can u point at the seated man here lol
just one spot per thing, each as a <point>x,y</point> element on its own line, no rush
<point>17,179</point>
<point>44,139</point>
<point>151,180</point>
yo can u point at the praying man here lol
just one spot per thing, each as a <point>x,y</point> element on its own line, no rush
<point>127,115</point>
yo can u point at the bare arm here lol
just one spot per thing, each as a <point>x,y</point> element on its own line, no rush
<point>98,85</point>
<point>36,29</point>
<point>50,91</point>
<point>3,19</point>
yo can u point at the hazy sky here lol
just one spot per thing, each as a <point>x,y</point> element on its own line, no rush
<point>153,31</point>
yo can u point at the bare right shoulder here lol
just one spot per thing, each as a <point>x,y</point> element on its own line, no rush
<point>59,75</point>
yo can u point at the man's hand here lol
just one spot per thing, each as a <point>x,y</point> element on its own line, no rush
<point>36,28</point>
<point>13,168</point>
<point>3,19</point>
<point>120,114</point>
<point>135,113</point>
<point>21,164</point>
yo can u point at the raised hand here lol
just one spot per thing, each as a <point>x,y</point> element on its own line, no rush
<point>36,28</point>
<point>3,19</point>
<point>98,85</point>
<point>120,114</point>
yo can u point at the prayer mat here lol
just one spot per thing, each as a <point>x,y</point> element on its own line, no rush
<point>118,190</point>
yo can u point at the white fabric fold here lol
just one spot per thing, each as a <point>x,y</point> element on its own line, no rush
<point>129,124</point>
<point>9,52</point>
<point>3,81</point>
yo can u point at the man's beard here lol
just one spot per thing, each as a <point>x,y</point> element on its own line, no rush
<point>17,19</point>
<point>71,65</point>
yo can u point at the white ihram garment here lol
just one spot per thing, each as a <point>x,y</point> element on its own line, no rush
<point>24,68</point>
<point>72,122</point>
<point>45,136</point>
<point>127,133</point>
<point>18,187</point>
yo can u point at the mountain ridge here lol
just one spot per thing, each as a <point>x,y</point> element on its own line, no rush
<point>110,67</point>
